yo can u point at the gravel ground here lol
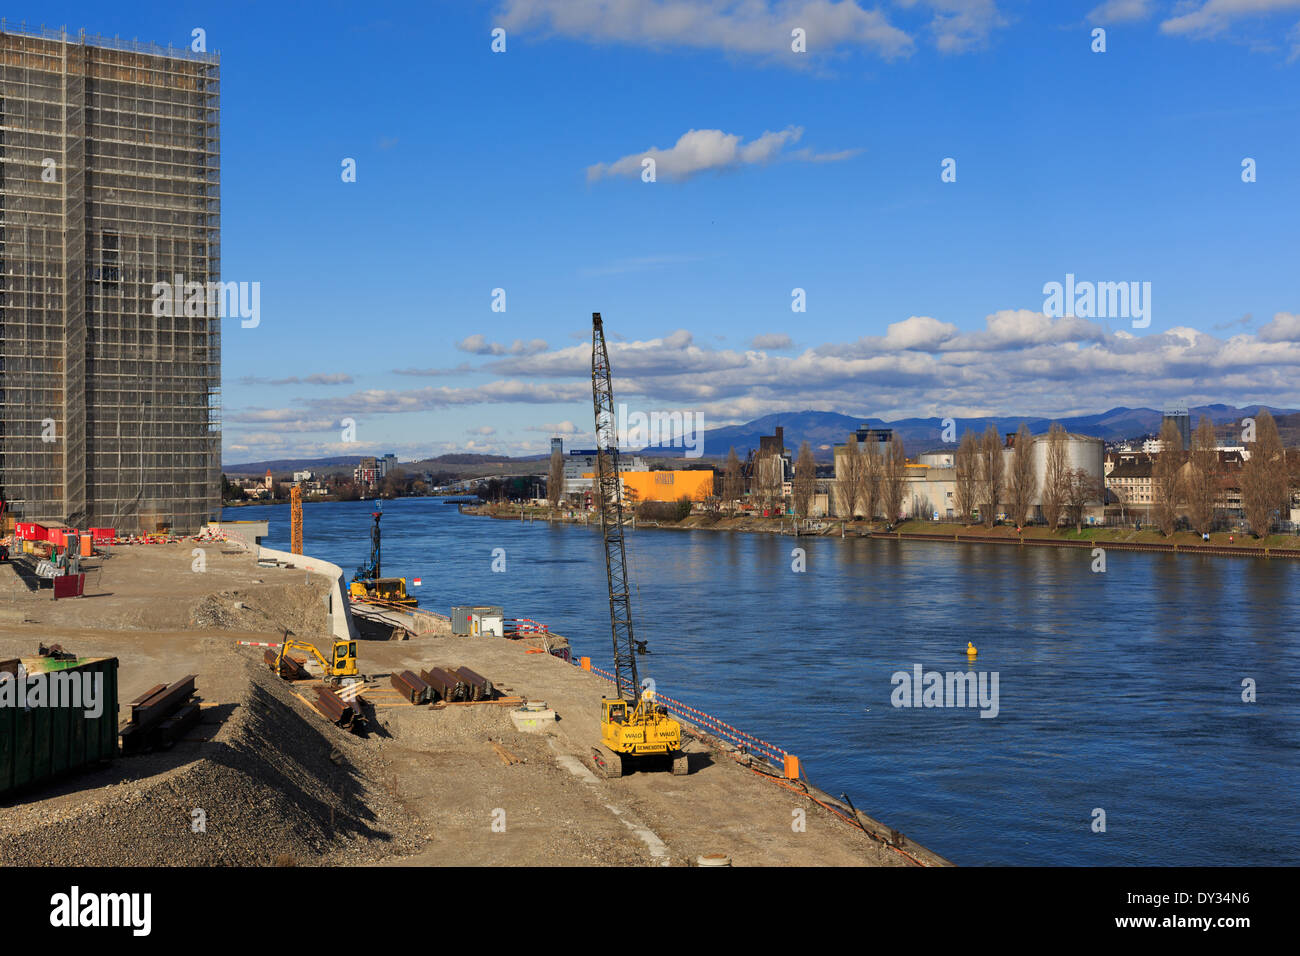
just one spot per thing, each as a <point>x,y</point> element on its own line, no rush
<point>278,786</point>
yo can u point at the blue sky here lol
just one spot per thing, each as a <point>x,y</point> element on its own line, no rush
<point>479,170</point>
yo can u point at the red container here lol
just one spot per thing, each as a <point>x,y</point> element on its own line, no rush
<point>30,531</point>
<point>102,535</point>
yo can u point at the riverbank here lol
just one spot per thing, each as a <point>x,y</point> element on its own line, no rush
<point>424,786</point>
<point>1182,542</point>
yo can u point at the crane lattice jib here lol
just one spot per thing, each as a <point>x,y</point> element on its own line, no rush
<point>610,506</point>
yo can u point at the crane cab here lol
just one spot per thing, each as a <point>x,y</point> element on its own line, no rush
<point>638,729</point>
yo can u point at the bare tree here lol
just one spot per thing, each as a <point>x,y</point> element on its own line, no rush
<point>1080,489</point>
<point>893,482</point>
<point>1167,478</point>
<point>966,468</point>
<point>873,477</point>
<point>555,479</point>
<point>769,473</point>
<point>1023,484</point>
<point>852,477</point>
<point>1203,477</point>
<point>990,474</point>
<point>733,481</point>
<point>1264,479</point>
<point>805,480</point>
<point>712,504</point>
<point>1056,476</point>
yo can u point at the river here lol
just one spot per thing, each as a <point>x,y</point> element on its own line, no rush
<point>1118,691</point>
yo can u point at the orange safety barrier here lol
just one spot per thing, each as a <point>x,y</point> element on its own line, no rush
<point>712,724</point>
<point>788,762</point>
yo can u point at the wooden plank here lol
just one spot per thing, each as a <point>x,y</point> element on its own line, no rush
<point>506,756</point>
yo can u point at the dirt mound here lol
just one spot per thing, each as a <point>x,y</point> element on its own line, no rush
<point>276,785</point>
<point>301,607</point>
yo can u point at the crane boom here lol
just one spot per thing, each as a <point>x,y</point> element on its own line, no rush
<point>609,504</point>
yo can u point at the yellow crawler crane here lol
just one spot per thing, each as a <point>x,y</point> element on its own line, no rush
<point>368,585</point>
<point>632,725</point>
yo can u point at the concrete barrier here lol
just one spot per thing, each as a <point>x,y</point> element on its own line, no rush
<point>340,612</point>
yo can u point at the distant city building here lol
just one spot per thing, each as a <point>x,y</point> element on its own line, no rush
<point>557,444</point>
<point>302,476</point>
<point>1182,420</point>
<point>580,467</point>
<point>770,465</point>
<point>366,473</point>
<point>880,436</point>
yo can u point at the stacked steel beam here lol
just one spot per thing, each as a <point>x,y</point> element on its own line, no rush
<point>478,686</point>
<point>447,685</point>
<point>160,716</point>
<point>413,688</point>
<point>346,714</point>
<point>290,668</point>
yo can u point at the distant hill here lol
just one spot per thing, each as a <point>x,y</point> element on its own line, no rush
<point>278,465</point>
<point>348,462</point>
<point>824,430</point>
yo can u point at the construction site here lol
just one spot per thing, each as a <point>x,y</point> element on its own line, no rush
<point>109,185</point>
<point>262,709</point>
<point>263,774</point>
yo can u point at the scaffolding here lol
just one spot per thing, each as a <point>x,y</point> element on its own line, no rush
<point>109,183</point>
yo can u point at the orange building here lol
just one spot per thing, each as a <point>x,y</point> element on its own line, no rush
<point>666,485</point>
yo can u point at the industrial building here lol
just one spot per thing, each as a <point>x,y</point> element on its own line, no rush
<point>637,486</point>
<point>109,186</point>
<point>580,469</point>
<point>931,480</point>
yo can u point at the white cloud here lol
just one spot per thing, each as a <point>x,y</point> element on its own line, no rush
<point>961,25</point>
<point>777,341</point>
<point>699,150</point>
<point>1215,16</point>
<point>1019,362</point>
<point>479,345</point>
<point>1285,327</point>
<point>337,378</point>
<point>556,428</point>
<point>1121,11</point>
<point>747,27</point>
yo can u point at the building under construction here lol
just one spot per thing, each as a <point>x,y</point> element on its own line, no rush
<point>109,184</point>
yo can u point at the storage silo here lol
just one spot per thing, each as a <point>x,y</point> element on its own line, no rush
<point>1081,451</point>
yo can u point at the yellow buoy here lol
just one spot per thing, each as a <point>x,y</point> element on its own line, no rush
<point>970,649</point>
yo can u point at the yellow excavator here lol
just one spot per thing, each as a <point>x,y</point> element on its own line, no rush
<point>342,662</point>
<point>632,724</point>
